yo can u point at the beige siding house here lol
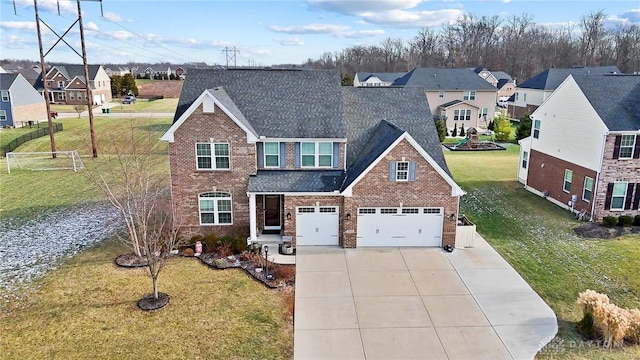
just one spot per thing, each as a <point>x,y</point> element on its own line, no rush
<point>67,84</point>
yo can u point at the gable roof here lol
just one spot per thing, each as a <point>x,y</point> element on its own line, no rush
<point>6,80</point>
<point>616,99</point>
<point>278,103</point>
<point>456,102</point>
<point>444,79</point>
<point>384,76</point>
<point>551,78</point>
<point>501,75</point>
<point>70,72</point>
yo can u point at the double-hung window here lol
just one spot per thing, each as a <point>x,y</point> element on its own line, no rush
<point>483,112</point>
<point>525,159</point>
<point>271,154</point>
<point>60,83</point>
<point>3,115</point>
<point>441,93</point>
<point>212,156</point>
<point>587,190</point>
<point>618,195</point>
<point>215,208</point>
<point>461,114</point>
<point>627,143</point>
<point>402,171</point>
<point>568,175</point>
<point>5,96</point>
<point>536,129</point>
<point>469,95</point>
<point>316,154</point>
<point>72,96</point>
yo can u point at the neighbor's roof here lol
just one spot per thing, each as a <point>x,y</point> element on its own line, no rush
<point>277,103</point>
<point>501,75</point>
<point>384,76</point>
<point>444,79</point>
<point>6,80</point>
<point>70,72</point>
<point>616,99</point>
<point>551,78</point>
<point>279,181</point>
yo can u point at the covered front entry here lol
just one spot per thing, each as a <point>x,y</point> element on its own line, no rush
<point>272,213</point>
<point>317,225</point>
<point>399,227</point>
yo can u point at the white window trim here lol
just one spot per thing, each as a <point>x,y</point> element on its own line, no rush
<point>316,155</point>
<point>62,96</point>
<point>536,136</point>
<point>564,181</point>
<point>60,83</point>
<point>214,165</point>
<point>441,93</point>
<point>264,150</point>
<point>3,115</point>
<point>525,159</point>
<point>584,188</point>
<point>405,172</point>
<point>632,146</point>
<point>215,211</point>
<point>5,96</point>
<point>624,196</point>
<point>469,95</point>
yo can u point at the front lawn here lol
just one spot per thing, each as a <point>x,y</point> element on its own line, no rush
<point>537,239</point>
<point>145,106</point>
<point>87,310</point>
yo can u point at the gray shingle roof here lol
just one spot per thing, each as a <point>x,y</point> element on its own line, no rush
<point>278,103</point>
<point>616,99</point>
<point>71,71</point>
<point>6,80</point>
<point>551,78</point>
<point>501,75</point>
<point>224,98</point>
<point>450,103</point>
<point>384,76</point>
<point>296,181</point>
<point>444,79</point>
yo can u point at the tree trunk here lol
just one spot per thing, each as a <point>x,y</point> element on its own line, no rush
<point>155,286</point>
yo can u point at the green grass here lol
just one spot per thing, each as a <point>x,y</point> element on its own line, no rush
<point>86,309</point>
<point>146,106</point>
<point>537,239</point>
<point>9,134</point>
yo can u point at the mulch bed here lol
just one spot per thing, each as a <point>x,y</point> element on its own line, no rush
<point>149,303</point>
<point>251,268</point>
<point>597,231</point>
<point>131,260</point>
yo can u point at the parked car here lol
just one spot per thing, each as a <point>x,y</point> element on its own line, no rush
<point>129,100</point>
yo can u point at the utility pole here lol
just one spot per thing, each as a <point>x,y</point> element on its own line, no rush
<point>231,57</point>
<point>94,149</point>
<point>43,69</point>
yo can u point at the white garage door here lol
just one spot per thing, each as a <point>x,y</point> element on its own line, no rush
<point>399,226</point>
<point>317,225</point>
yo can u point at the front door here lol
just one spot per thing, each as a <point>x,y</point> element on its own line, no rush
<point>272,205</point>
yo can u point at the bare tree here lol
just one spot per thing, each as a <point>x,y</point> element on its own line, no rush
<point>135,181</point>
<point>79,109</point>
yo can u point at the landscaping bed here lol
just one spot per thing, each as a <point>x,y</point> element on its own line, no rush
<point>597,231</point>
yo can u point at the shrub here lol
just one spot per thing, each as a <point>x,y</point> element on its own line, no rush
<point>221,263</point>
<point>194,239</point>
<point>187,252</point>
<point>209,242</point>
<point>633,333</point>
<point>636,220</point>
<point>224,250</point>
<point>491,125</point>
<point>524,127</point>
<point>455,130</point>
<point>625,220</point>
<point>462,132</point>
<point>502,128</point>
<point>601,317</point>
<point>245,255</point>
<point>284,272</point>
<point>441,127</point>
<point>609,221</point>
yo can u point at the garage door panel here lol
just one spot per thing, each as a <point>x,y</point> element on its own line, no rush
<point>317,225</point>
<point>399,227</point>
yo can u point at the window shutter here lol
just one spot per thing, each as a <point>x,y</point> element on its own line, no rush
<point>636,149</point>
<point>392,171</point>
<point>283,155</point>
<point>260,155</point>
<point>336,155</point>
<point>296,154</point>
<point>607,199</point>
<point>629,199</point>
<point>616,147</point>
<point>412,171</point>
<point>636,199</point>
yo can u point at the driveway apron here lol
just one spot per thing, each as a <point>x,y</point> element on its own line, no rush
<point>415,303</point>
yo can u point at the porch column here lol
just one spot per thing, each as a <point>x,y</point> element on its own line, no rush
<point>252,217</point>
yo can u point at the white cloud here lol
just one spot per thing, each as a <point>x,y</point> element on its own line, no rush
<point>293,41</point>
<point>17,42</point>
<point>402,18</point>
<point>111,16</point>
<point>631,16</point>
<point>309,29</point>
<point>356,34</point>
<point>506,1</point>
<point>51,6</point>
<point>358,7</point>
<point>18,25</point>
<point>91,26</point>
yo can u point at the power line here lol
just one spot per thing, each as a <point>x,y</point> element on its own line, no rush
<point>231,57</point>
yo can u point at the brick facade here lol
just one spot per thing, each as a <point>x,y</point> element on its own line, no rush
<point>614,170</point>
<point>546,173</point>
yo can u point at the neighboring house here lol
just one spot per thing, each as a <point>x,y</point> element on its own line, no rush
<point>67,84</point>
<point>19,101</point>
<point>376,79</point>
<point>458,96</point>
<point>501,80</point>
<point>117,70</point>
<point>584,149</point>
<point>291,152</point>
<point>533,92</point>
<point>180,72</point>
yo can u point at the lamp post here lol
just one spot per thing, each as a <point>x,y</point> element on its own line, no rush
<point>266,263</point>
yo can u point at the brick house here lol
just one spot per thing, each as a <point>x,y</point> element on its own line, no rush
<point>67,85</point>
<point>533,92</point>
<point>292,153</point>
<point>584,151</point>
<point>19,101</point>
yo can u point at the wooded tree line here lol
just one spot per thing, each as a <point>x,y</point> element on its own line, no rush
<point>516,45</point>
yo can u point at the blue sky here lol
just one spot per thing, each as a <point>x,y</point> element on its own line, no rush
<point>265,32</point>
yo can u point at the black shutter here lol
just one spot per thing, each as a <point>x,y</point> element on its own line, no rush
<point>636,199</point>
<point>636,150</point>
<point>616,147</point>
<point>627,201</point>
<point>607,199</point>
<point>260,155</point>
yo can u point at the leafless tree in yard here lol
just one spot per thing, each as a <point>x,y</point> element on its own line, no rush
<point>135,181</point>
<point>79,109</point>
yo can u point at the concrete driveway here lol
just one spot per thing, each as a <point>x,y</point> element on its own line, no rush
<point>404,303</point>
